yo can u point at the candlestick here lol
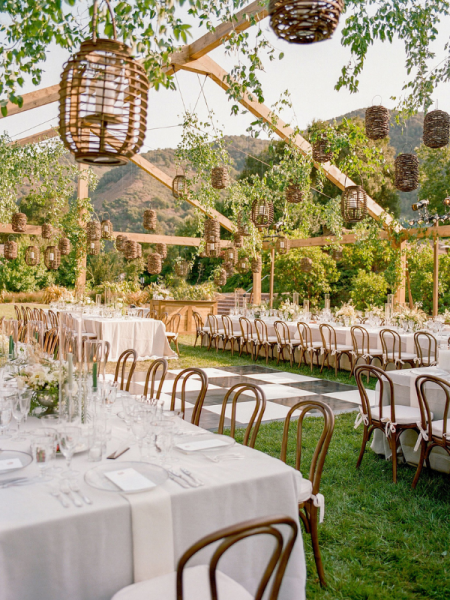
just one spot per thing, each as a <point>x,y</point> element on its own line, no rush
<point>70,368</point>
<point>94,374</point>
<point>11,346</point>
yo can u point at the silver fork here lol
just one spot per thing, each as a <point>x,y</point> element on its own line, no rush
<point>188,473</point>
<point>74,486</point>
<point>65,489</point>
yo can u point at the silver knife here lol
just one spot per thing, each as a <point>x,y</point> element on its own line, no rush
<point>11,480</point>
<point>179,480</point>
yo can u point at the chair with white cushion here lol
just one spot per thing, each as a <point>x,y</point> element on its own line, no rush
<point>264,340</point>
<point>207,582</point>
<point>311,503</point>
<point>391,342</point>
<point>426,348</point>
<point>307,346</point>
<point>160,364</point>
<point>254,421</point>
<point>183,378</point>
<point>361,347</point>
<point>330,347</point>
<point>216,333</point>
<point>285,342</point>
<point>390,418</point>
<point>432,434</point>
<point>172,329</point>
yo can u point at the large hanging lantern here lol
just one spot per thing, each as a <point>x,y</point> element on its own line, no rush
<point>94,231</point>
<point>243,265</point>
<point>436,129</point>
<point>238,240</point>
<point>103,101</point>
<point>406,172</point>
<point>179,186</point>
<point>321,151</point>
<point>212,230</point>
<point>154,263</point>
<point>212,249</point>
<point>283,245</point>
<point>93,247</point>
<point>32,256</point>
<point>52,258</point>
<point>161,249</point>
<point>47,231</point>
<point>377,122</point>
<point>353,204</point>
<point>337,254</point>
<point>293,193</point>
<point>262,213</point>
<point>220,178</point>
<point>149,219</point>
<point>304,21</point>
<point>306,264</point>
<point>11,250</point>
<point>221,278</point>
<point>131,250</point>
<point>64,246</point>
<point>120,242</point>
<point>230,256</point>
<point>107,229</point>
<point>19,222</point>
<point>257,265</point>
<point>182,268</point>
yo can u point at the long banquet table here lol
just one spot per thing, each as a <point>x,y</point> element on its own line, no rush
<point>51,552</point>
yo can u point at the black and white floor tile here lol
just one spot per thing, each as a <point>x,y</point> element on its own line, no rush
<point>283,390</point>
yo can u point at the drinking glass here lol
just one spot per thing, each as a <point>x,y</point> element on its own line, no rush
<point>139,427</point>
<point>42,449</point>
<point>6,411</point>
<point>68,438</point>
<point>164,440</point>
<point>20,408</point>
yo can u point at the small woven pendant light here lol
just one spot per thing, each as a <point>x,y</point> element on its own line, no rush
<point>436,129</point>
<point>11,250</point>
<point>406,172</point>
<point>182,268</point>
<point>230,256</point>
<point>353,204</point>
<point>321,151</point>
<point>221,278</point>
<point>32,256</point>
<point>139,250</point>
<point>306,264</point>
<point>130,250</point>
<point>293,193</point>
<point>161,249</point>
<point>93,247</point>
<point>47,231</point>
<point>238,240</point>
<point>93,231</point>
<point>212,230</point>
<point>283,245</point>
<point>120,242</point>
<point>154,263</point>
<point>179,186</point>
<point>52,258</point>
<point>19,222</point>
<point>337,254</point>
<point>262,213</point>
<point>377,122</point>
<point>256,265</point>
<point>64,246</point>
<point>149,219</point>
<point>107,229</point>
<point>103,101</point>
<point>220,178</point>
<point>212,249</point>
<point>243,265</point>
<point>304,21</point>
<point>242,228</point>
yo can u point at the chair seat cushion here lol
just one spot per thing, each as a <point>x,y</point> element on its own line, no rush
<point>404,415</point>
<point>438,428</point>
<point>195,587</point>
<point>171,335</point>
<point>304,488</point>
<point>343,348</point>
<point>404,356</point>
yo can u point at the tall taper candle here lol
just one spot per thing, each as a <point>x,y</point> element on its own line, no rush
<point>70,368</point>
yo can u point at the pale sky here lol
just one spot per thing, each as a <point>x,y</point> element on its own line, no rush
<point>308,72</point>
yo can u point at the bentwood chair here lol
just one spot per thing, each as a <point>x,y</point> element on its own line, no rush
<point>432,434</point>
<point>202,582</point>
<point>160,364</point>
<point>311,502</point>
<point>51,342</point>
<point>164,317</point>
<point>257,415</point>
<point>264,340</point>
<point>361,347</point>
<point>229,335</point>
<point>332,348</point>
<point>172,329</point>
<point>390,418</point>
<point>215,332</point>
<point>199,328</point>
<point>427,352</point>
<point>248,338</point>
<point>121,367</point>
<point>285,342</point>
<point>391,343</point>
<point>183,379</point>
<point>152,314</point>
<point>307,346</point>
<point>18,313</point>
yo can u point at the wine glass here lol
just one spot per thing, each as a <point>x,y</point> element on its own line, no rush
<point>42,449</point>
<point>68,437</point>
<point>139,427</point>
<point>164,440</point>
<point>5,417</point>
<point>19,409</point>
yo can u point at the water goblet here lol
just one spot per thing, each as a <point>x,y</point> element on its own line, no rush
<point>6,414</point>
<point>42,450</point>
<point>139,427</point>
<point>164,441</point>
<point>69,437</point>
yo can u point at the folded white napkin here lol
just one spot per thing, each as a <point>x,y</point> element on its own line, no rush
<point>152,526</point>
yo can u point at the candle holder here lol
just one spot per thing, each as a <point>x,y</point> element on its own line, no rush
<point>11,332</point>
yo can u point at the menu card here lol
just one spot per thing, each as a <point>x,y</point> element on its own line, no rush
<point>12,463</point>
<point>201,445</point>
<point>130,480</point>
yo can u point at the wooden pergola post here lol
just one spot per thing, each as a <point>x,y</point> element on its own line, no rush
<point>257,288</point>
<point>272,275</point>
<point>435,274</point>
<point>400,293</point>
<point>82,192</point>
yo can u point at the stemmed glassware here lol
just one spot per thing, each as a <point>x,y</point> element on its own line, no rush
<point>139,427</point>
<point>69,437</point>
<point>6,413</point>
<point>42,447</point>
<point>21,407</point>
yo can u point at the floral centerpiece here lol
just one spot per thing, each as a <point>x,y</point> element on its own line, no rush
<point>376,311</point>
<point>258,309</point>
<point>347,313</point>
<point>43,379</point>
<point>289,309</point>
<point>413,317</point>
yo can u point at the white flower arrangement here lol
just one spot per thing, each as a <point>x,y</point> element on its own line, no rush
<point>347,310</point>
<point>376,311</point>
<point>40,377</point>
<point>404,313</point>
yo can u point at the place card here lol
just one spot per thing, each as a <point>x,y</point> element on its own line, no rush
<point>201,445</point>
<point>12,463</point>
<point>129,480</point>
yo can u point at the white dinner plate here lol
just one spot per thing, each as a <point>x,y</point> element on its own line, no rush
<point>14,455</point>
<point>209,442</point>
<point>97,478</point>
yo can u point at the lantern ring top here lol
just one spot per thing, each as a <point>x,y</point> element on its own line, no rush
<point>94,20</point>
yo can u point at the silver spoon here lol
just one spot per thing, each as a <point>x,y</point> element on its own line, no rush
<point>74,486</point>
<point>59,497</point>
<point>65,489</point>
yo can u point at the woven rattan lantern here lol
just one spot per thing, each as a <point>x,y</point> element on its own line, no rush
<point>337,254</point>
<point>93,231</point>
<point>243,265</point>
<point>256,265</point>
<point>353,204</point>
<point>212,249</point>
<point>182,268</point>
<point>377,122</point>
<point>293,193</point>
<point>436,129</point>
<point>242,228</point>
<point>120,242</point>
<point>179,186</point>
<point>238,240</point>
<point>107,229</point>
<point>131,250</point>
<point>220,178</point>
<point>304,21</point>
<point>161,249</point>
<point>306,264</point>
<point>154,263</point>
<point>149,219</point>
<point>64,246</point>
<point>32,256</point>
<point>52,258</point>
<point>47,231</point>
<point>283,245</point>
<point>212,230</point>
<point>93,247</point>
<point>262,213</point>
<point>103,101</point>
<point>321,151</point>
<point>11,250</point>
<point>406,172</point>
<point>229,268</point>
<point>221,278</point>
<point>139,250</point>
<point>19,222</point>
<point>230,256</point>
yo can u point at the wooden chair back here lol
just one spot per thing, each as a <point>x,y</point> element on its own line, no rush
<point>18,313</point>
<point>183,377</point>
<point>213,323</point>
<point>227,326</point>
<point>426,415</point>
<point>164,317</point>
<point>257,415</point>
<point>229,536</point>
<point>246,328</point>
<point>385,391</point>
<point>198,321</point>
<point>391,344</point>
<point>305,334</point>
<point>152,314</point>
<point>29,312</point>
<point>360,340</point>
<point>320,452</point>
<point>54,321</point>
<point>261,331</point>
<point>158,364</point>
<point>24,314</point>
<point>51,342</point>
<point>173,325</point>
<point>328,335</point>
<point>282,332</point>
<point>431,348</point>
<point>121,368</point>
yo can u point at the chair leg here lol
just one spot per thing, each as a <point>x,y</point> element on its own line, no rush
<point>323,361</point>
<point>196,338</point>
<point>232,346</point>
<point>423,451</point>
<point>315,544</point>
<point>267,354</point>
<point>363,446</point>
<point>393,445</point>
<point>176,345</point>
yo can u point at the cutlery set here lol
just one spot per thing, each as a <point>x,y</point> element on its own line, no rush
<point>185,478</point>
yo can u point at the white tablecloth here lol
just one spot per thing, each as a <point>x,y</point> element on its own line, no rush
<point>53,553</point>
